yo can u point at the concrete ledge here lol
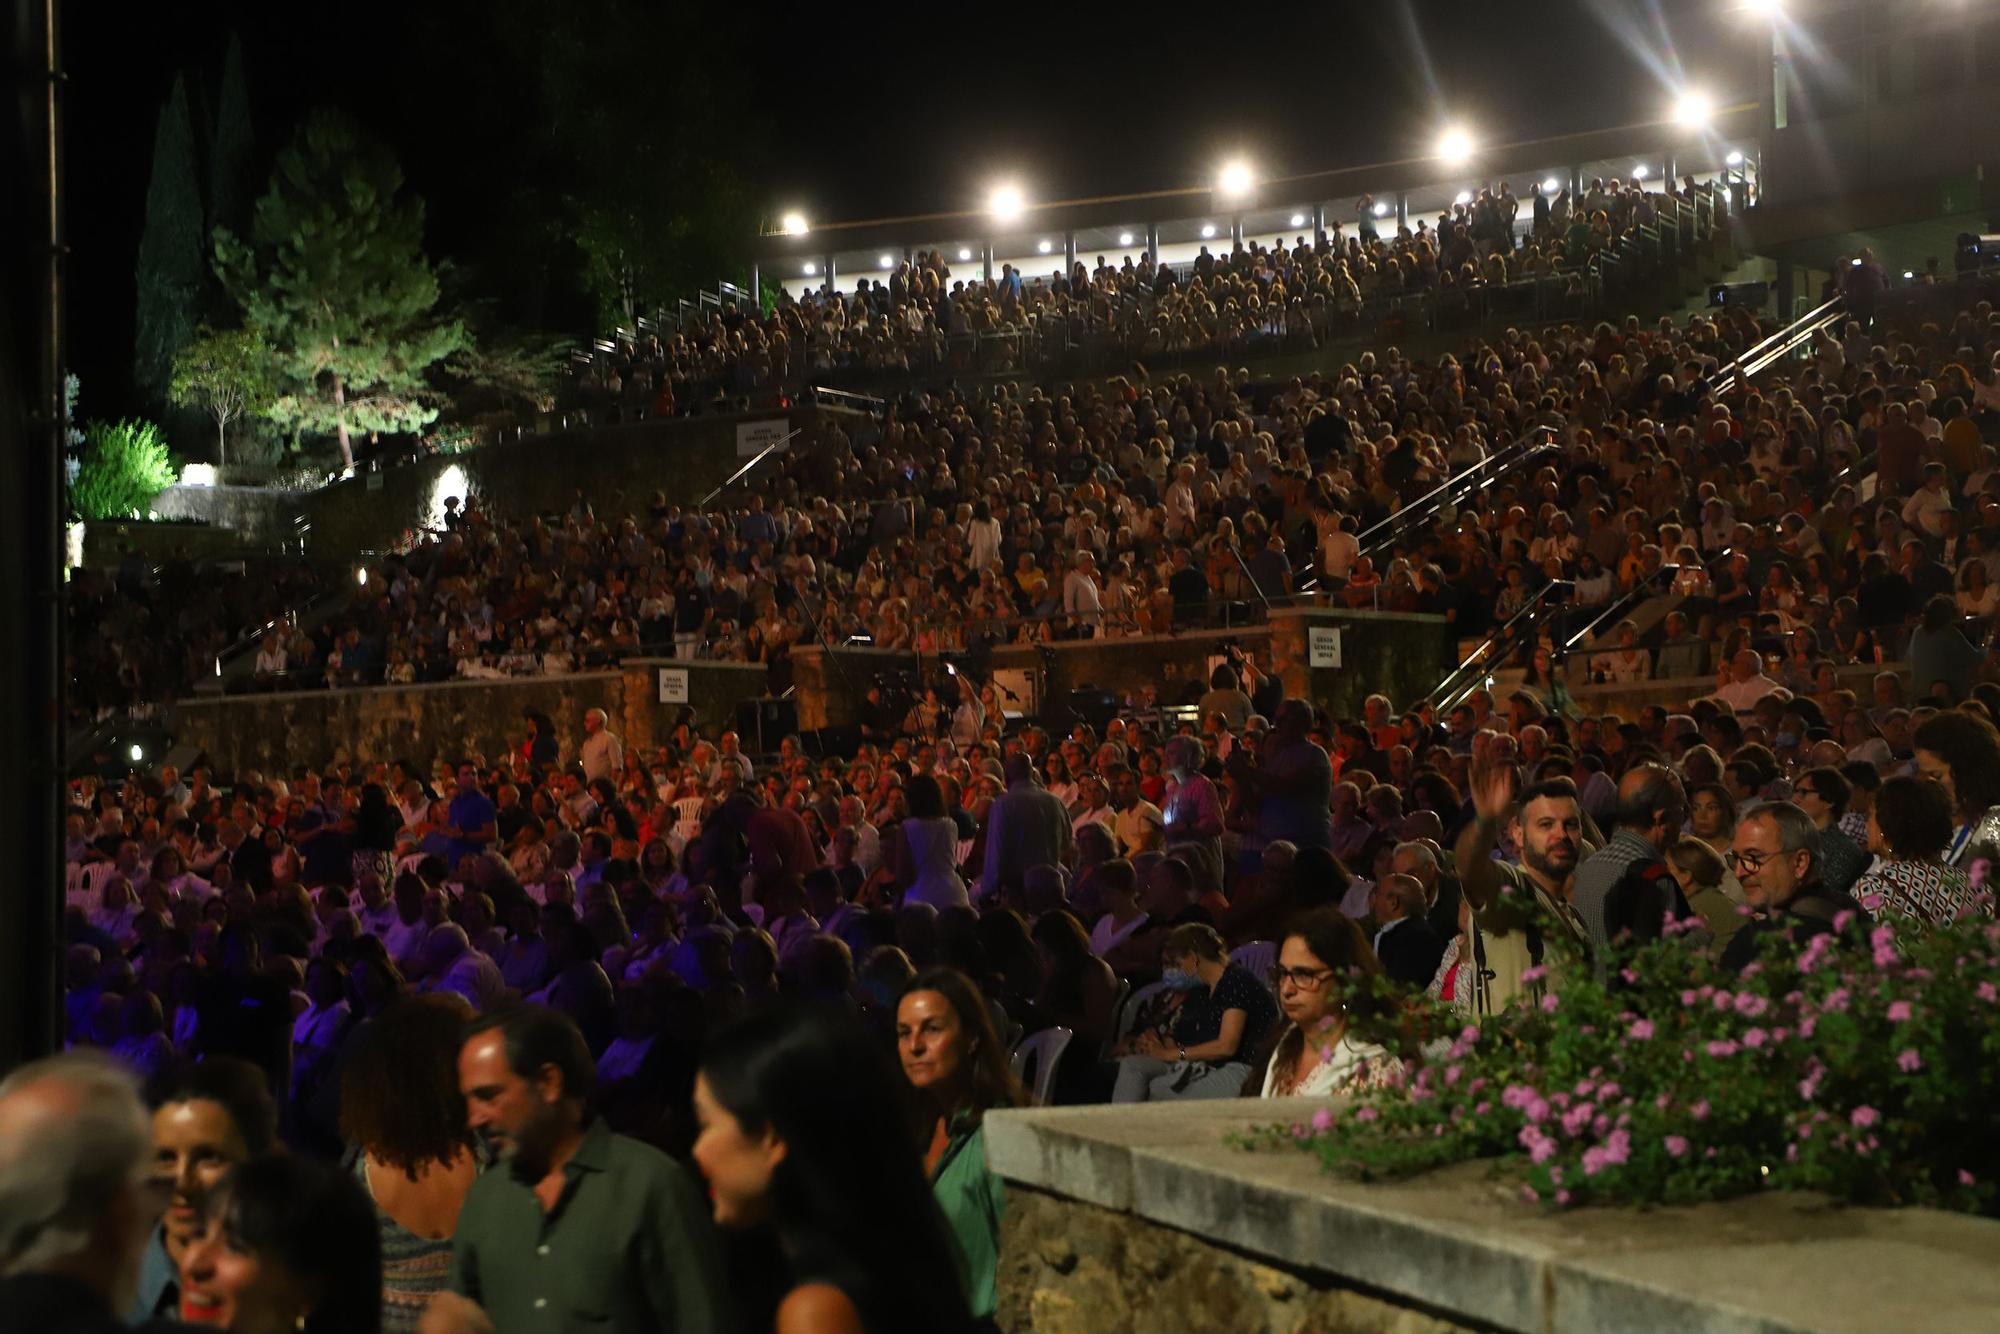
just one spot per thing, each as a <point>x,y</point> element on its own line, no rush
<point>1460,1243</point>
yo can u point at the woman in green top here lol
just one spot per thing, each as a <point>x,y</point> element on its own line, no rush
<point>953,1059</point>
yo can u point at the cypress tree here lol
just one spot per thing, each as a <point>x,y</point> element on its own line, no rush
<point>171,255</point>
<point>230,146</point>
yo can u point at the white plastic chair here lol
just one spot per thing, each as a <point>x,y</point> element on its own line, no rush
<point>1045,1050</point>
<point>1258,957</point>
<point>1128,1011</point>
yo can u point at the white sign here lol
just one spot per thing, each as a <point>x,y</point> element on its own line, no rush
<point>752,438</point>
<point>673,685</point>
<point>1323,646</point>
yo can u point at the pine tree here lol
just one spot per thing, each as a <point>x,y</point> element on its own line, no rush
<point>230,145</point>
<point>170,268</point>
<point>334,283</point>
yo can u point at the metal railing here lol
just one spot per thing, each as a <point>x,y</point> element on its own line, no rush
<point>1383,536</point>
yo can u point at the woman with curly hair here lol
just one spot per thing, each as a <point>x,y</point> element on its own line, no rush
<point>1961,751</point>
<point>401,1108</point>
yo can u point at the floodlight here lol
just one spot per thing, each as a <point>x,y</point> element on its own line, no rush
<point>1234,180</point>
<point>138,752</point>
<point>811,269</point>
<point>1455,147</point>
<point>1462,197</point>
<point>794,223</point>
<point>1007,202</point>
<point>1381,210</point>
<point>1124,238</point>
<point>361,575</point>
<point>1207,230</point>
<point>1735,158</point>
<point>1298,219</point>
<point>1045,246</point>
<point>1551,185</point>
<point>1641,171</point>
<point>1693,108</point>
<point>965,252</point>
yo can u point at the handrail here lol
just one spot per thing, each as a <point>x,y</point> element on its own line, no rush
<point>1735,367</point>
<point>1617,609</point>
<point>1463,679</point>
<point>762,454</point>
<point>1425,507</point>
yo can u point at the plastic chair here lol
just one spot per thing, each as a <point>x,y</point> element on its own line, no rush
<point>1045,1050</point>
<point>1259,957</point>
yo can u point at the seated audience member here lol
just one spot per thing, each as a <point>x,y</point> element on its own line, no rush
<point>1225,1014</point>
<point>1322,963</point>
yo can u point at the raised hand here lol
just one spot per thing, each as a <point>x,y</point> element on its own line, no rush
<point>1493,791</point>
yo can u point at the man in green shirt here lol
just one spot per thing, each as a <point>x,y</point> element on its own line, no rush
<point>577,1228</point>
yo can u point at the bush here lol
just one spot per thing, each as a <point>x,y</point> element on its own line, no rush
<point>125,464</point>
<point>1866,1067</point>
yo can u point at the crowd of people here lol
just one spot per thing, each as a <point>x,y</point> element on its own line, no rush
<point>1295,293</point>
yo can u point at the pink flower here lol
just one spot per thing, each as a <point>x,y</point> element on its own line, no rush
<point>1807,1025</point>
<point>1641,1030</point>
<point>1544,1150</point>
<point>1482,1108</point>
<point>1688,998</point>
<point>1322,1120</point>
<point>1987,992</point>
<point>1593,1162</point>
<point>1750,1005</point>
<point>1899,1011</point>
<point>1676,1145</point>
<point>1549,1004</point>
<point>1836,1001</point>
<point>1576,1118</point>
<point>1965,1178</point>
<point>1722,1047</point>
<point>1529,1194</point>
<point>1864,1116</point>
<point>1366,1114</point>
<point>1700,1110</point>
<point>1885,956</point>
<point>1722,1000</point>
<point>1536,1111</point>
<point>1884,934</point>
<point>1754,1038</point>
<point>1908,1061</point>
<point>1451,1075</point>
<point>1562,1197</point>
<point>1530,976</point>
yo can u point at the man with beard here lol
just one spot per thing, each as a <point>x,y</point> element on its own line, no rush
<point>576,1226</point>
<point>1521,915</point>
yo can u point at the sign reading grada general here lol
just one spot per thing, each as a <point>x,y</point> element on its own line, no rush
<point>753,437</point>
<point>673,685</point>
<point>1323,646</point>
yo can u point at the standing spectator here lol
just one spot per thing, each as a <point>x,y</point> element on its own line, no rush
<point>602,754</point>
<point>641,1255</point>
<point>955,1063</point>
<point>929,860</point>
<point>73,1153</point>
<point>288,1244</point>
<point>1940,653</point>
<point>472,820</point>
<point>400,1106</point>
<point>1024,827</point>
<point>1546,824</point>
<point>206,1120</point>
<point>1651,811</point>
<point>802,1129</point>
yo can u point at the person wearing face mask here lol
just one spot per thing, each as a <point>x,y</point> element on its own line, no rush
<point>1225,1014</point>
<point>206,1119</point>
<point>577,1226</point>
<point>288,1246</point>
<point>954,1062</point>
<point>802,1131</point>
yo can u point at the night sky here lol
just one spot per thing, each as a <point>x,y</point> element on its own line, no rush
<point>887,109</point>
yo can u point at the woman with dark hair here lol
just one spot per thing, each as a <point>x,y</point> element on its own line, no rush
<point>929,848</point>
<point>1961,752</point>
<point>1225,1015</point>
<point>401,1108</point>
<point>802,1129</point>
<point>1079,990</point>
<point>1908,825</point>
<point>1323,961</point>
<point>540,747</point>
<point>954,1061</point>
<point>376,824</point>
<point>288,1245</point>
<point>207,1118</point>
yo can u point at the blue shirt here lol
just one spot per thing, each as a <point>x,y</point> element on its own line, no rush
<point>470,810</point>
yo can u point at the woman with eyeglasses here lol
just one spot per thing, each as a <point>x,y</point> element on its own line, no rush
<point>1323,962</point>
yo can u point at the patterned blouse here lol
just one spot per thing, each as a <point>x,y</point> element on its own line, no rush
<point>1347,1066</point>
<point>1929,891</point>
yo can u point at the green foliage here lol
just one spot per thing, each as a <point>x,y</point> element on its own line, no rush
<point>228,375</point>
<point>231,143</point>
<point>1867,1068</point>
<point>125,464</point>
<point>169,269</point>
<point>334,283</point>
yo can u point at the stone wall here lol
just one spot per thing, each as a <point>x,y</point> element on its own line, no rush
<point>105,541</point>
<point>1399,654</point>
<point>266,512</point>
<point>424,722</point>
<point>1073,1268</point>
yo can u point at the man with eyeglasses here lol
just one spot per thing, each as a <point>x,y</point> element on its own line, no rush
<point>1514,908</point>
<point>1774,858</point>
